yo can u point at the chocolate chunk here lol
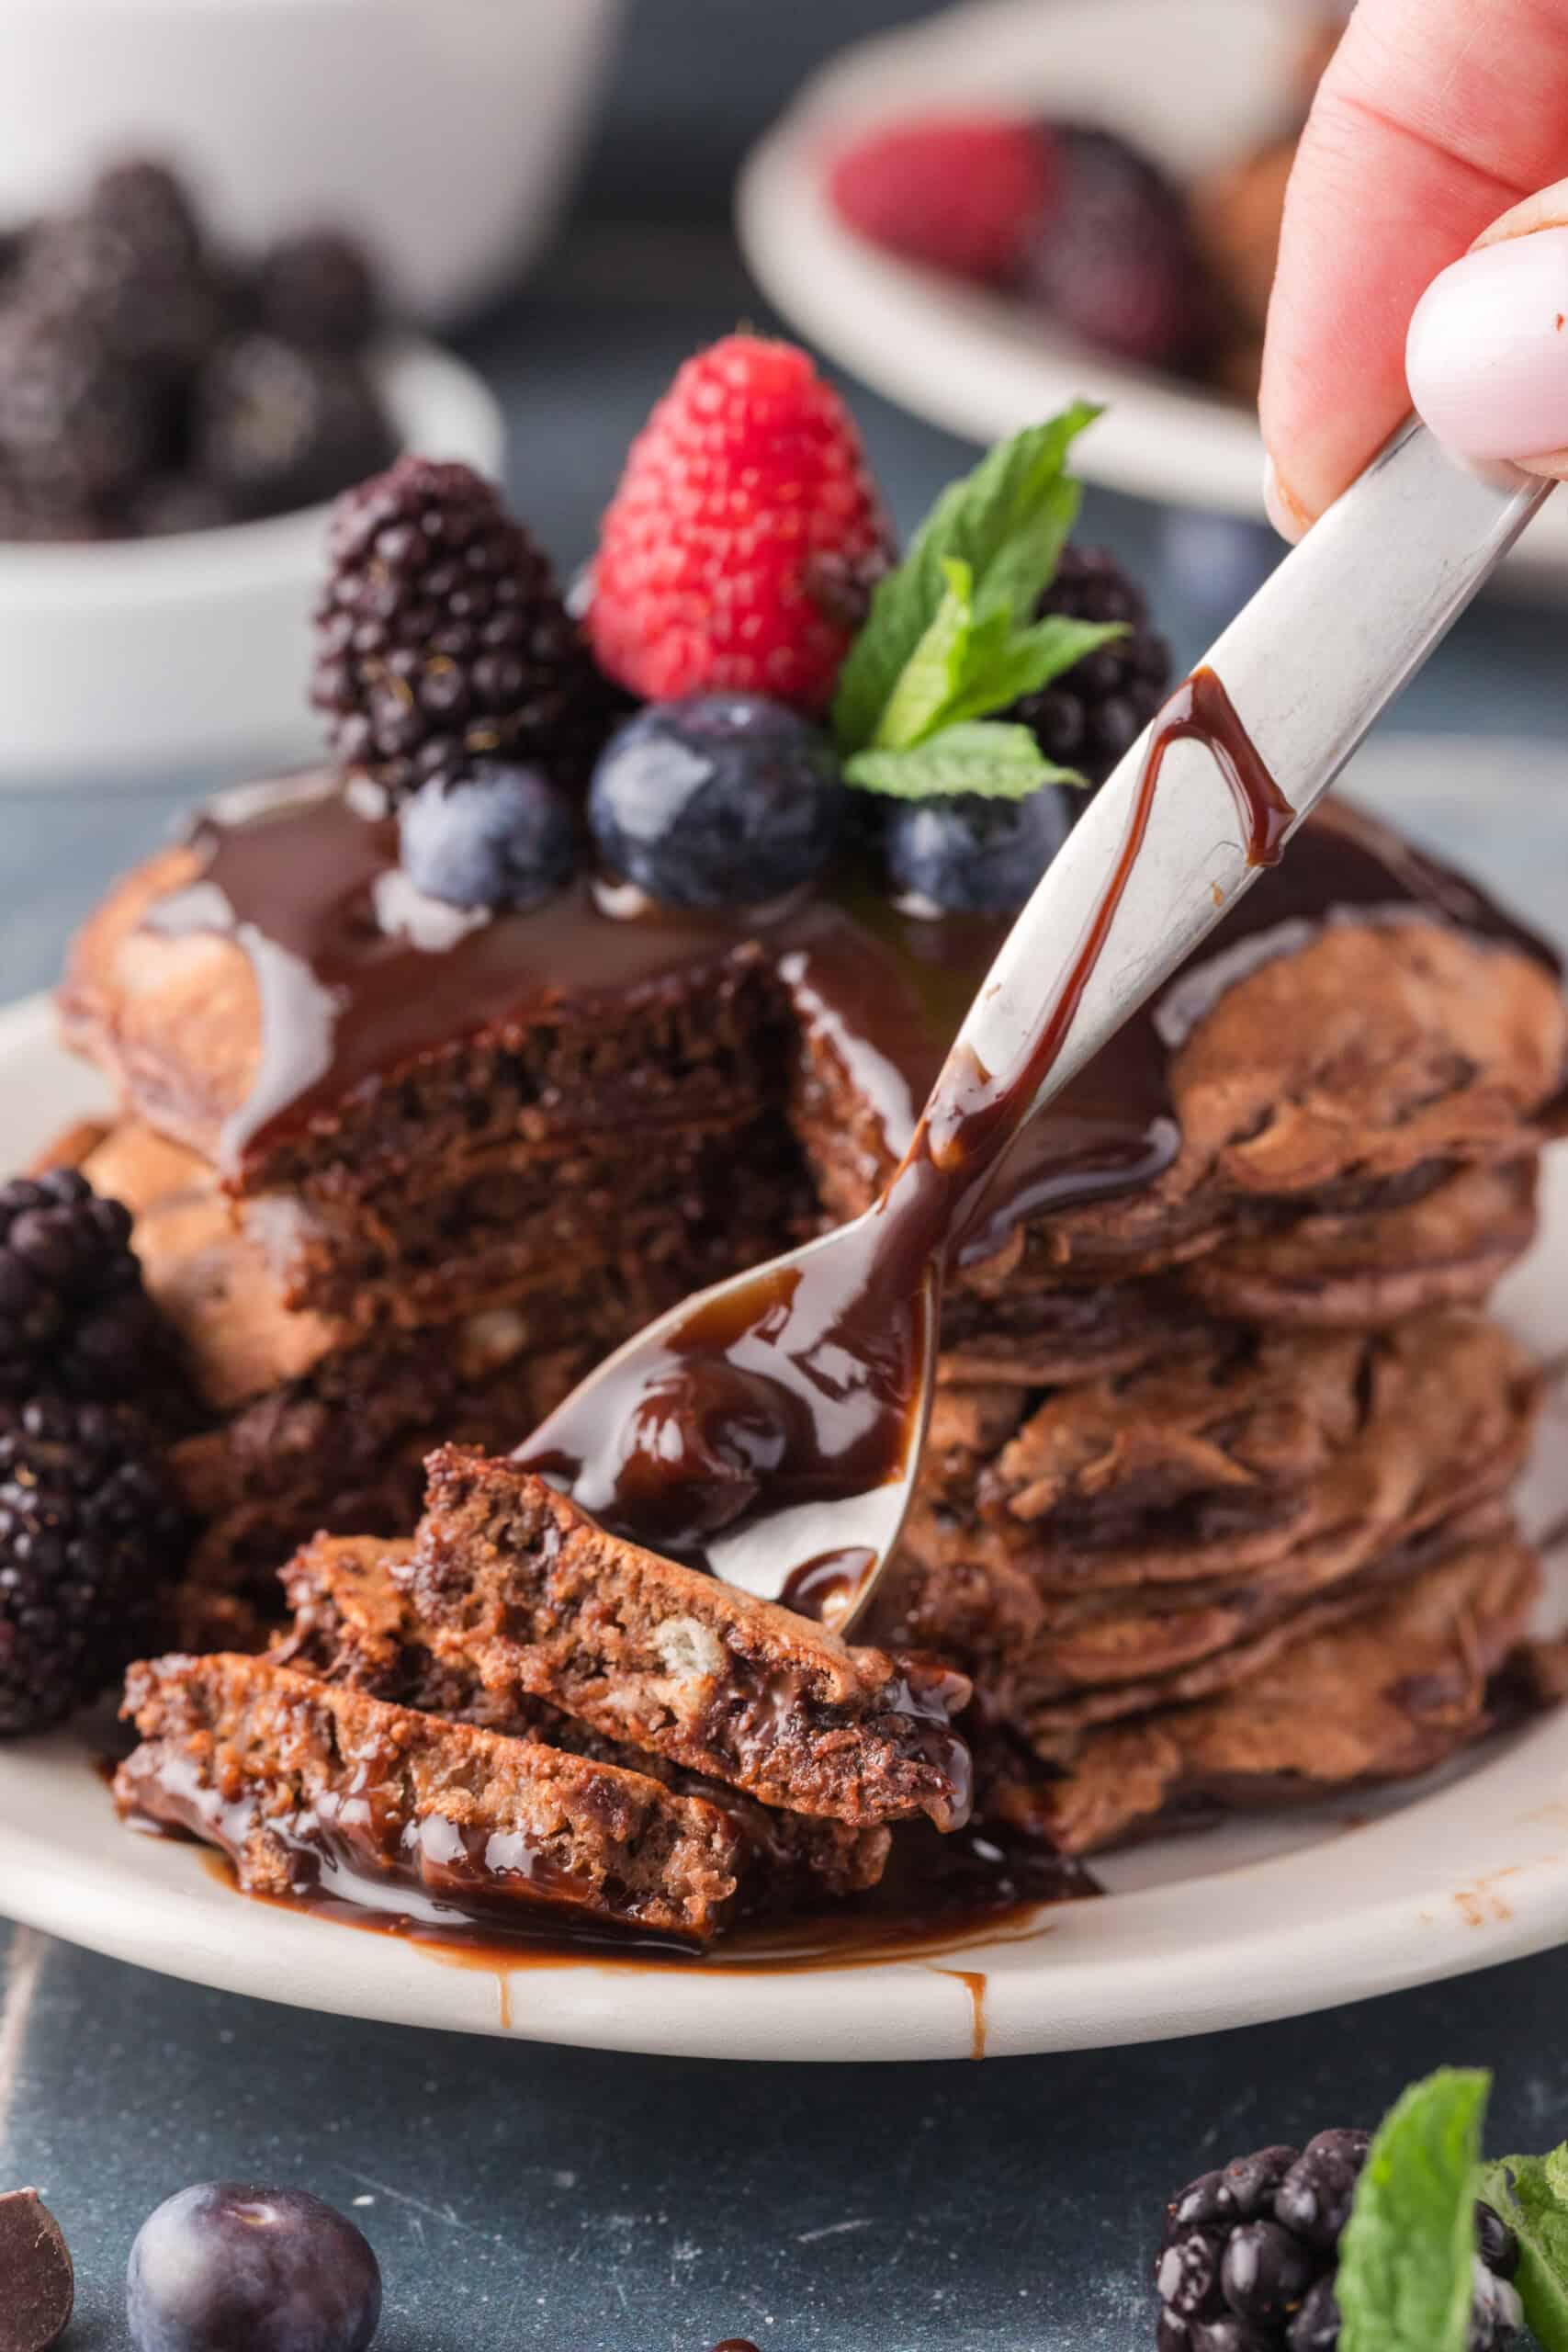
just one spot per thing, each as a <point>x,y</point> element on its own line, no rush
<point>38,2286</point>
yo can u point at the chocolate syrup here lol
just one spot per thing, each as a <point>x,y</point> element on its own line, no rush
<point>790,1397</point>
<point>805,1383</point>
<point>939,1894</point>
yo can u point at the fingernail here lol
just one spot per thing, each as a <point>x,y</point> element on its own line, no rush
<point>1290,519</point>
<point>1487,353</point>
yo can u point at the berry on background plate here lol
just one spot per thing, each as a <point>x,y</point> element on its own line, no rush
<point>720,800</point>
<point>744,538</point>
<point>1115,258</point>
<point>960,192</point>
<point>223,2266</point>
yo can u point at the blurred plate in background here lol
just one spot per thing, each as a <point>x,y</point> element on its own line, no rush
<point>1196,83</point>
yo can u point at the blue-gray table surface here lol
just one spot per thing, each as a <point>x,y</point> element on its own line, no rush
<point>524,2196</point>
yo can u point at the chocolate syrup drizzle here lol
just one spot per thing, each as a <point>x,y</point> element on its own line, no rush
<point>358,981</point>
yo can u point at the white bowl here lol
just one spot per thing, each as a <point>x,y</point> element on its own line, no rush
<point>445,131</point>
<point>123,659</point>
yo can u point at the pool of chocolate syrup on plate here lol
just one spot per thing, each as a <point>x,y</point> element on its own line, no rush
<point>349,1000</point>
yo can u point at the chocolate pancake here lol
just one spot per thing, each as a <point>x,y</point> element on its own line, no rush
<point>510,1577</point>
<point>307,1786</point>
<point>356,1625</point>
<point>266,995</point>
<point>1389,1695</point>
<point>1283,1459</point>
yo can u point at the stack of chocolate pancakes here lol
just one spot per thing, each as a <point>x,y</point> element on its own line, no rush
<point>1213,1507</point>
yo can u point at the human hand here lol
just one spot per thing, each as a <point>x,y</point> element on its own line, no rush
<point>1438,123</point>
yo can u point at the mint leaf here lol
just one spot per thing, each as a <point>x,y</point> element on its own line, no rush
<point>1001,762</point>
<point>1006,521</point>
<point>1531,2195</point>
<point>1407,2255</point>
<point>929,680</point>
<point>1003,665</point>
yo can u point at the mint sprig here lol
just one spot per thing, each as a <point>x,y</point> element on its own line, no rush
<point>1406,2259</point>
<point>951,636</point>
<point>1531,2195</point>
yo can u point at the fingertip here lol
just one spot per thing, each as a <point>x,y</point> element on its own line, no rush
<point>1281,505</point>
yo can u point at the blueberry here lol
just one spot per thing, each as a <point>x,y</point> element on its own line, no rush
<point>721,800</point>
<point>968,855</point>
<point>225,2269</point>
<point>488,835</point>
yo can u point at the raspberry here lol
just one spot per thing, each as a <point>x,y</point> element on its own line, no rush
<point>1094,712</point>
<point>959,192</point>
<point>74,1318</point>
<point>88,1531</point>
<point>440,637</point>
<point>1250,2256</point>
<point>745,513</point>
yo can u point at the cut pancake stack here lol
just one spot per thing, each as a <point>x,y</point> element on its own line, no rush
<point>1215,1505</point>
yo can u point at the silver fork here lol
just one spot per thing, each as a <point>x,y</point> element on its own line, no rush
<point>1322,648</point>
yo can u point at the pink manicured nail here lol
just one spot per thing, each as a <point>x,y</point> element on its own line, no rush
<point>1280,506</point>
<point>1487,354</point>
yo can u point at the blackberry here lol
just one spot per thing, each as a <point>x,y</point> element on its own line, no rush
<point>1114,256</point>
<point>74,1318</point>
<point>1094,712</point>
<point>85,271</point>
<point>174,502</point>
<point>44,512</point>
<point>88,1529</point>
<point>74,419</point>
<point>318,288</point>
<point>442,637</point>
<point>146,202</point>
<point>276,428</point>
<point>1250,2254</point>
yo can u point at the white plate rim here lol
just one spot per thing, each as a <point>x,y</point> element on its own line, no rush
<point>1463,1875</point>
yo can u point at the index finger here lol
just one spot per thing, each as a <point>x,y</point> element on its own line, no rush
<point>1433,117</point>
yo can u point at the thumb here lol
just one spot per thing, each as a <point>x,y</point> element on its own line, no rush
<point>1487,355</point>
<point>1432,118</point>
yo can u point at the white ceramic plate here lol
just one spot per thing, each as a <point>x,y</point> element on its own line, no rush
<point>1265,1919</point>
<point>129,658</point>
<point>1194,82</point>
